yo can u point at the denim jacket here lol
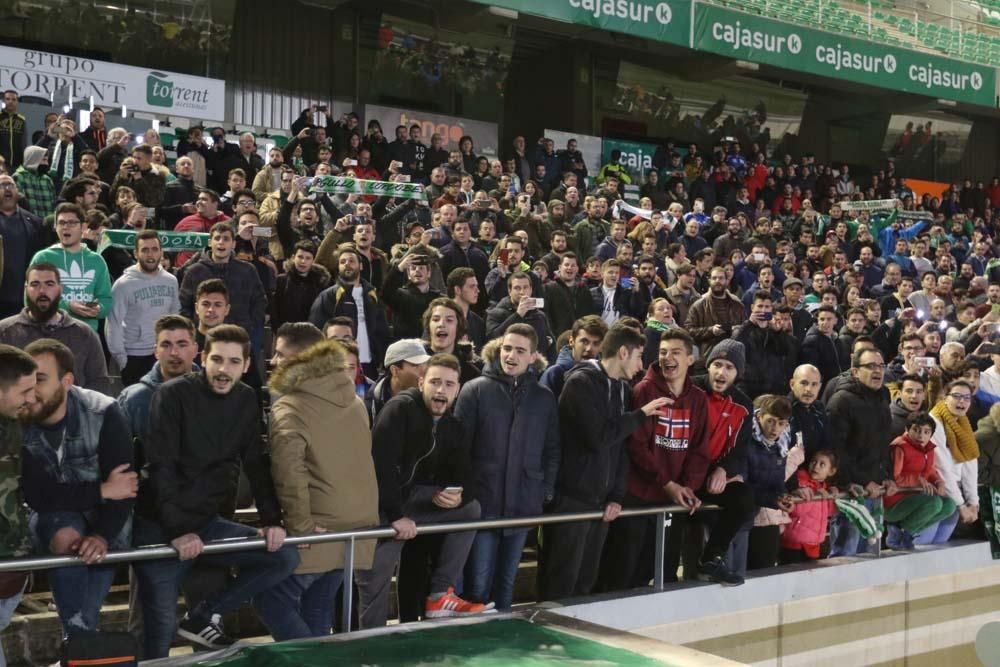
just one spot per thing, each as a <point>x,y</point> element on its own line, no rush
<point>76,461</point>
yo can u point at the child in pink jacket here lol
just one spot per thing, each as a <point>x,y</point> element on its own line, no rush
<point>805,534</point>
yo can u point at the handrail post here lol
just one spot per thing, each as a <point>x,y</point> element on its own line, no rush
<point>658,561</point>
<point>878,542</point>
<point>348,586</point>
<point>869,18</point>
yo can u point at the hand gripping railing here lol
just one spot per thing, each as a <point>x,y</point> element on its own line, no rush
<point>351,537</point>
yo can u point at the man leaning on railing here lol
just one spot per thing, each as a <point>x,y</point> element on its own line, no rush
<point>77,479</point>
<point>202,427</point>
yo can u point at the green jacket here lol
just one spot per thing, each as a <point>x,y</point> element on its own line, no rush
<point>15,537</point>
<point>585,241</point>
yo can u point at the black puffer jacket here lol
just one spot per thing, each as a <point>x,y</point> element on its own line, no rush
<point>197,443</point>
<point>295,294</point>
<point>247,300</point>
<point>411,450</point>
<point>860,432</point>
<point>513,425</point>
<point>821,351</point>
<point>595,419</point>
<point>771,357</point>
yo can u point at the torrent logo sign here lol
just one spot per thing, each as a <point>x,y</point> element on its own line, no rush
<point>976,80</point>
<point>889,63</point>
<point>159,90</point>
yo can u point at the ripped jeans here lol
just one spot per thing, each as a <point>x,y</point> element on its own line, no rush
<point>78,590</point>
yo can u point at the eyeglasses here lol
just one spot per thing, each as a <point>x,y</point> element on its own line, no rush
<point>873,366</point>
<point>960,398</point>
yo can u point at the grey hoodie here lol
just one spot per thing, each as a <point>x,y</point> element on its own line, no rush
<point>137,300</point>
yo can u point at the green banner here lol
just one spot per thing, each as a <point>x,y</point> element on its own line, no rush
<point>171,241</point>
<point>637,157</point>
<point>754,38</point>
<point>345,185</point>
<point>653,19</point>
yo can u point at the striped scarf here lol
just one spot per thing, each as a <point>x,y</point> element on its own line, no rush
<point>68,165</point>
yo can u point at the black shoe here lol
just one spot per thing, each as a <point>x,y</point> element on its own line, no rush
<point>716,570</point>
<point>209,635</point>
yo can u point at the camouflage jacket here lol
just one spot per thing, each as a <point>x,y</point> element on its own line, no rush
<point>15,537</point>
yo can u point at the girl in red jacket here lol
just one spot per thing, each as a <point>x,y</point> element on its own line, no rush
<point>805,534</point>
<point>913,466</point>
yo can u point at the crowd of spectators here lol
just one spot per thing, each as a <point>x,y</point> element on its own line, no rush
<point>762,336</point>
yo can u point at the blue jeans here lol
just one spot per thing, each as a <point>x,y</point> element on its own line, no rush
<point>937,533</point>
<point>845,538</point>
<point>7,608</point>
<point>492,566</point>
<point>159,580</point>
<point>78,590</point>
<point>300,606</point>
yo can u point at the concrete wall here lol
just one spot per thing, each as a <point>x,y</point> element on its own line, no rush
<point>902,609</point>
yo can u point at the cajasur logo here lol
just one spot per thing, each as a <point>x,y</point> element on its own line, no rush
<point>159,90</point>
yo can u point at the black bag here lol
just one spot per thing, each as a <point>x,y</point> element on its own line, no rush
<point>104,649</point>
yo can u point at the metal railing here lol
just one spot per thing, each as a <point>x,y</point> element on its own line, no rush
<point>153,552</point>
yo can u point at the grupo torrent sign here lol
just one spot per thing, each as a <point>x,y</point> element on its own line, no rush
<point>44,74</point>
<point>451,128</point>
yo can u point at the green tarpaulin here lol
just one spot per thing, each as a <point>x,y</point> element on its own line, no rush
<point>499,643</point>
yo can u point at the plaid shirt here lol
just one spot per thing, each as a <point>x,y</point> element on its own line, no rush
<point>37,190</point>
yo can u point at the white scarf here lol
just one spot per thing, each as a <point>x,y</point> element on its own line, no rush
<point>68,166</point>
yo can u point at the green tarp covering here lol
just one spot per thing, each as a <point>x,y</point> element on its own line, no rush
<point>499,643</point>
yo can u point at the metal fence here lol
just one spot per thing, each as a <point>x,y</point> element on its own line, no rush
<point>351,537</point>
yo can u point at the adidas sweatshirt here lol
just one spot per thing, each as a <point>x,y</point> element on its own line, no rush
<point>137,300</point>
<point>84,276</point>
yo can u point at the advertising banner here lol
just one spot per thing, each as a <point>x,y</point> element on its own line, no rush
<point>757,39</point>
<point>637,157</point>
<point>56,77</point>
<point>484,135</point>
<point>653,19</point>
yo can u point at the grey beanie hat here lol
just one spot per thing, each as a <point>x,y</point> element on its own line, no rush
<point>730,350</point>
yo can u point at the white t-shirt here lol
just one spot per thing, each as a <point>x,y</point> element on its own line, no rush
<point>608,313</point>
<point>364,347</point>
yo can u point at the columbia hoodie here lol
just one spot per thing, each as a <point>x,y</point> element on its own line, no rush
<point>138,299</point>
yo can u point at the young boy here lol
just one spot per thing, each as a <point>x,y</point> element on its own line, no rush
<point>913,466</point>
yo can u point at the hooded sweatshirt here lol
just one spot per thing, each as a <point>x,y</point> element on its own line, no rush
<point>138,300</point>
<point>34,185</point>
<point>673,447</point>
<point>84,276</point>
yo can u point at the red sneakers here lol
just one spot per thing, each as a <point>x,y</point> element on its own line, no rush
<point>450,604</point>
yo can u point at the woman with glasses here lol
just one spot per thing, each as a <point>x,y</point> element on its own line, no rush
<point>956,449</point>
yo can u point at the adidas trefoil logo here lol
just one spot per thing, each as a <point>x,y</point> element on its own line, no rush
<point>77,279</point>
